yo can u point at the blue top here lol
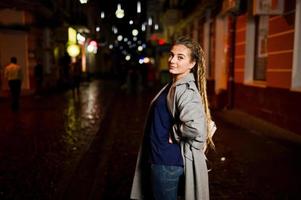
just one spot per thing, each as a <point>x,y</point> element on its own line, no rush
<point>161,121</point>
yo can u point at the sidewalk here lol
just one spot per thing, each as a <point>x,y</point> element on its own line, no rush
<point>258,126</point>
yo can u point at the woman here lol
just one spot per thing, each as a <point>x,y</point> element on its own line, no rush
<point>177,131</point>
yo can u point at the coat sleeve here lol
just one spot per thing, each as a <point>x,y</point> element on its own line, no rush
<point>191,123</point>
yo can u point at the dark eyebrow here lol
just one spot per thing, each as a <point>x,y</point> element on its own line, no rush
<point>179,54</point>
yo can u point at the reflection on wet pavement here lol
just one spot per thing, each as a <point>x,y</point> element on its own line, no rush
<point>40,145</point>
<point>85,147</point>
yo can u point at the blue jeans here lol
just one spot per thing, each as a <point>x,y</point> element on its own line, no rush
<point>165,181</point>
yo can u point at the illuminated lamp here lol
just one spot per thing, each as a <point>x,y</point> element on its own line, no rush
<point>83,1</point>
<point>138,7</point>
<point>119,12</point>
<point>161,41</point>
<point>92,47</point>
<point>150,21</point>
<point>146,60</point>
<point>135,32</point>
<point>80,38</point>
<point>73,50</point>
<point>141,60</point>
<point>128,57</point>
<point>140,48</point>
<point>102,15</point>
<point>143,28</point>
<point>71,35</point>
<point>119,37</point>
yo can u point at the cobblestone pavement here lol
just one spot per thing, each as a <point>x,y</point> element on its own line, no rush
<point>245,165</point>
<point>61,148</point>
<point>41,145</point>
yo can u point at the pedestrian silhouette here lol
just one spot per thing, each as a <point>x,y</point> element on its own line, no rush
<point>75,72</point>
<point>13,73</point>
<point>39,77</point>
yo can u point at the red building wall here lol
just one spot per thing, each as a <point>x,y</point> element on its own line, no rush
<point>280,49</point>
<point>274,101</point>
<point>240,47</point>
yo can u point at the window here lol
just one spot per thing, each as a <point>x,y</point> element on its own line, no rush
<point>261,47</point>
<point>296,75</point>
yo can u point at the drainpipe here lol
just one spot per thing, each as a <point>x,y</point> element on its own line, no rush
<point>231,83</point>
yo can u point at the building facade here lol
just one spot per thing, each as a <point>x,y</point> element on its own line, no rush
<point>35,31</point>
<point>252,53</point>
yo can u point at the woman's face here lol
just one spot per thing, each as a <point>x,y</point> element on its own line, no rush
<point>179,61</point>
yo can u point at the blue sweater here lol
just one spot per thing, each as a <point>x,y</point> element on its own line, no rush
<point>161,121</point>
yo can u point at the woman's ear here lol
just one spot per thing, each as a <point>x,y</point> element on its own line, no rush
<point>192,64</point>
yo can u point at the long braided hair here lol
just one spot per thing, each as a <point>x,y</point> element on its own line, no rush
<point>199,72</point>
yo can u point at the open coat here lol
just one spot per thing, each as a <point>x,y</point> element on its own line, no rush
<point>189,130</point>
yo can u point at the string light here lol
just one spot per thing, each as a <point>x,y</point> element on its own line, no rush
<point>150,21</point>
<point>83,1</point>
<point>135,32</point>
<point>102,15</point>
<point>138,7</point>
<point>119,12</point>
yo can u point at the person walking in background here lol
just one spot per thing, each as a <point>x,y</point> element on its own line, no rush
<point>39,77</point>
<point>177,131</point>
<point>13,73</point>
<point>76,71</point>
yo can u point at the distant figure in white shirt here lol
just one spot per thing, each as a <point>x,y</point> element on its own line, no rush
<point>13,73</point>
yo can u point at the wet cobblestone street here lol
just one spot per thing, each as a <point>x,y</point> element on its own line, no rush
<point>65,147</point>
<point>40,145</point>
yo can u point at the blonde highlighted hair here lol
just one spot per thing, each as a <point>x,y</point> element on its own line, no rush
<point>199,72</point>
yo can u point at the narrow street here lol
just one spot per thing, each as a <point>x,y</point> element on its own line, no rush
<point>63,146</point>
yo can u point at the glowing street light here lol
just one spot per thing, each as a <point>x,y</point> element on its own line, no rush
<point>140,48</point>
<point>102,15</point>
<point>114,29</point>
<point>119,37</point>
<point>150,21</point>
<point>135,32</point>
<point>119,12</point>
<point>73,50</point>
<point>128,57</point>
<point>138,7</point>
<point>83,1</point>
<point>143,27</point>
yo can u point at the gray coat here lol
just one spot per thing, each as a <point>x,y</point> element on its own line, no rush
<point>184,103</point>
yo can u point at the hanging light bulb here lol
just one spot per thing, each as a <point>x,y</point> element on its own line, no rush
<point>150,21</point>
<point>83,1</point>
<point>138,7</point>
<point>143,27</point>
<point>114,29</point>
<point>119,37</point>
<point>135,32</point>
<point>102,14</point>
<point>119,12</point>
